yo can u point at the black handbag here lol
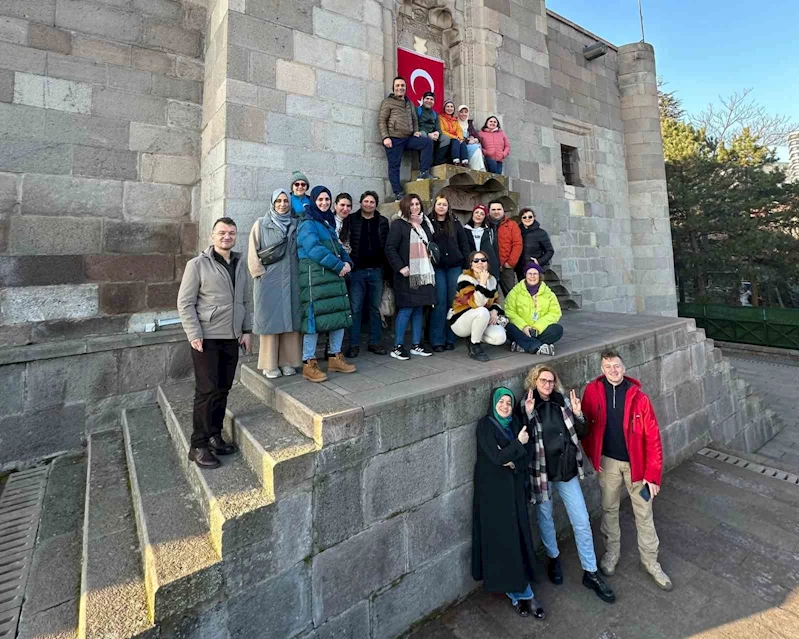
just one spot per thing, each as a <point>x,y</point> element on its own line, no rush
<point>433,249</point>
<point>274,253</point>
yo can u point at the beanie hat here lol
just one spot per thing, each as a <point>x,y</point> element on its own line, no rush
<point>482,207</point>
<point>428,94</point>
<point>534,265</point>
<point>297,176</point>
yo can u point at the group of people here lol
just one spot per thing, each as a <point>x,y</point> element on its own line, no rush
<point>530,449</point>
<point>446,138</point>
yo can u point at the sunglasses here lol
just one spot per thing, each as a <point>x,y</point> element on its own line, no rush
<point>300,184</point>
<point>527,217</point>
<point>479,259</point>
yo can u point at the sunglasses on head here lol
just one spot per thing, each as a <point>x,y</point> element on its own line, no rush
<point>479,259</point>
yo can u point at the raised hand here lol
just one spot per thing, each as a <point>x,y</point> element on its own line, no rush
<point>529,402</point>
<point>524,436</point>
<point>577,405</point>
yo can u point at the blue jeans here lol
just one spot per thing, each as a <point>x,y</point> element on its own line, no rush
<point>309,343</point>
<point>414,315</point>
<point>492,166</point>
<point>550,335</point>
<point>446,285</point>
<point>515,597</point>
<point>366,283</point>
<point>394,156</point>
<point>572,496</point>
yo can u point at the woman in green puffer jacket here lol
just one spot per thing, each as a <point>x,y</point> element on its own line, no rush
<point>324,301</point>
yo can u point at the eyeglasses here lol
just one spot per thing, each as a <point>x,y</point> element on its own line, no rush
<point>301,184</point>
<point>546,382</point>
<point>479,259</point>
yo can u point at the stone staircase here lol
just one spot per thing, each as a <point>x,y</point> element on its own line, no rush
<point>168,547</point>
<point>465,189</point>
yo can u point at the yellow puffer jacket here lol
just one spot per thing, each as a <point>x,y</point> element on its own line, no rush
<point>520,306</point>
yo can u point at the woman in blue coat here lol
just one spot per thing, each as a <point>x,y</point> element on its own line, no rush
<point>324,302</point>
<point>299,192</point>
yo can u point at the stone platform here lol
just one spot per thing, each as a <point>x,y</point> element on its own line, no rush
<point>347,511</point>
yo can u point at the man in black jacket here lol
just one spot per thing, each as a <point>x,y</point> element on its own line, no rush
<point>537,246</point>
<point>366,232</point>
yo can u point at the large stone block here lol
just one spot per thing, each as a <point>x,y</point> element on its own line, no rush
<point>101,50</point>
<point>52,93</point>
<point>109,103</point>
<point>142,368</point>
<point>33,10</point>
<point>154,139</point>
<point>140,237</point>
<point>411,423</point>
<point>255,154</point>
<point>295,78</point>
<point>8,192</point>
<point>172,169</point>
<point>177,88</point>
<point>167,37</point>
<point>351,571</point>
<point>41,434</point>
<point>45,235</point>
<point>184,115</point>
<point>690,397</point>
<point>285,129</point>
<point>337,507</point>
<point>432,587</point>
<point>50,39</point>
<point>295,14</point>
<point>676,367</point>
<point>127,268</point>
<point>341,88</point>
<point>71,196</point>
<point>155,61</point>
<point>245,123</point>
<point>18,58</point>
<point>352,624</point>
<point>88,130</point>
<point>439,525</point>
<point>95,161</point>
<point>179,364</point>
<point>253,33</point>
<point>338,28</point>
<point>53,382</point>
<point>404,477</point>
<point>34,156</point>
<point>41,270</point>
<point>462,453</point>
<point>314,51</point>
<point>162,296</point>
<point>344,139</point>
<point>156,201</point>
<point>12,389</point>
<point>281,604</point>
<point>87,17</point>
<point>119,297</point>
<point>6,85</point>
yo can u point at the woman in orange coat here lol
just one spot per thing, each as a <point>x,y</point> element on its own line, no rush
<point>451,138</point>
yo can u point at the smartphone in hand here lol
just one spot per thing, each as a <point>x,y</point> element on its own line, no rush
<point>645,493</point>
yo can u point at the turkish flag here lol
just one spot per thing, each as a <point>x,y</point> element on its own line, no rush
<point>422,74</point>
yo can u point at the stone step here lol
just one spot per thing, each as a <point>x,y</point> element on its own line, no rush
<point>570,301</point>
<point>278,453</point>
<point>232,498</point>
<point>113,597</point>
<point>465,177</point>
<point>181,567</point>
<point>319,413</point>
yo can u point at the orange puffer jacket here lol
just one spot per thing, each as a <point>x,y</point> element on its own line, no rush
<point>450,126</point>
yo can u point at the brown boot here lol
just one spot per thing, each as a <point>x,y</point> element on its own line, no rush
<point>312,372</point>
<point>337,364</point>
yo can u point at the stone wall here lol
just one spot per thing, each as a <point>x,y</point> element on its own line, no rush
<point>99,162</point>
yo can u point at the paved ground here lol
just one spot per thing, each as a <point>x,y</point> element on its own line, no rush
<point>778,384</point>
<point>730,542</point>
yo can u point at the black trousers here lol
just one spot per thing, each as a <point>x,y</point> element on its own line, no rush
<point>214,370</point>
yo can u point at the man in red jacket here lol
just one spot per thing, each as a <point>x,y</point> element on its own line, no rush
<point>509,244</point>
<point>623,444</point>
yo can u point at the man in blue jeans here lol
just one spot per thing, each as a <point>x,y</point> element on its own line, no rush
<point>366,232</point>
<point>399,130</point>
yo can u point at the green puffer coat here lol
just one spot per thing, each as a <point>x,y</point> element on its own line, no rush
<point>323,294</point>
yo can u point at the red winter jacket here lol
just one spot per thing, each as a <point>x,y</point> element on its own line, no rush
<point>509,241</point>
<point>641,430</point>
<point>495,144</point>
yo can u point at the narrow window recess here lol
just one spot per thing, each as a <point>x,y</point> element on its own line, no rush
<point>570,165</point>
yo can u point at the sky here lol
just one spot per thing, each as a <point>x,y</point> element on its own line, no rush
<point>707,48</point>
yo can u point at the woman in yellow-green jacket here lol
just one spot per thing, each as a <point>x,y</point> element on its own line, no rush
<point>533,311</point>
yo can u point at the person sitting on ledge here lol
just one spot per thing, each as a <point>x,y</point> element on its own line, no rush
<point>299,192</point>
<point>399,130</point>
<point>476,160</point>
<point>503,555</point>
<point>428,119</point>
<point>452,144</point>
<point>495,145</point>
<point>533,311</point>
<point>475,313</point>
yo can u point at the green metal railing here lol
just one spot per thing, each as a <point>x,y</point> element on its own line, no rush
<point>778,327</point>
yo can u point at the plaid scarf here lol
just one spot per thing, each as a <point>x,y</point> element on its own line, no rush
<point>541,488</point>
<point>421,267</point>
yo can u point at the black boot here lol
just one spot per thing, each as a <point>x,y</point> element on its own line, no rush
<point>593,581</point>
<point>352,352</point>
<point>204,458</point>
<point>219,446</point>
<point>554,570</point>
<point>476,352</point>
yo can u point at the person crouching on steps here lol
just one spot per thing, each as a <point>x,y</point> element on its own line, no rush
<point>324,300</point>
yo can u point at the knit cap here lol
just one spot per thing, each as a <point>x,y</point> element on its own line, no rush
<point>299,176</point>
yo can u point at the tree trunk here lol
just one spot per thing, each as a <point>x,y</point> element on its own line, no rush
<point>699,277</point>
<point>755,293</point>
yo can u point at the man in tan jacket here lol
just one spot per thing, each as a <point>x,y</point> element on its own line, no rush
<point>215,310</point>
<point>399,130</point>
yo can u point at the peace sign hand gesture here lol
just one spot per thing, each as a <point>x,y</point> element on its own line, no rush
<point>529,403</point>
<point>577,405</point>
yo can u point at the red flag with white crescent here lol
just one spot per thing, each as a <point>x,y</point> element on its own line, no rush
<point>422,73</point>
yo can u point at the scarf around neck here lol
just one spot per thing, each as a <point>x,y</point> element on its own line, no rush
<point>422,271</point>
<point>328,216</point>
<point>503,422</point>
<point>280,221</point>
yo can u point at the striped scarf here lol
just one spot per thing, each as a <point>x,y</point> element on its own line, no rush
<point>421,267</point>
<point>541,488</point>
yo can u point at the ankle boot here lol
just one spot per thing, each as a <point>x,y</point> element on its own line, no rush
<point>337,364</point>
<point>595,582</point>
<point>312,372</point>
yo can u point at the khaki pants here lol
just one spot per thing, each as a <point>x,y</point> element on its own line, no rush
<point>284,349</point>
<point>614,475</point>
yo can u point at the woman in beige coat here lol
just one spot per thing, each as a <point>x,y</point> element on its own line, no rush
<point>276,291</point>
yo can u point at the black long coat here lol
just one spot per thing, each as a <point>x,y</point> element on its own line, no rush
<point>536,245</point>
<point>398,250</point>
<point>502,545</point>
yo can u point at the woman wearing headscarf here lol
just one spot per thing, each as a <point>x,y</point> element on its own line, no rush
<point>556,424</point>
<point>452,144</point>
<point>323,293</point>
<point>494,143</point>
<point>414,276</point>
<point>483,237</point>
<point>502,546</point>
<point>476,160</point>
<point>299,192</point>
<point>276,292</point>
<point>533,310</point>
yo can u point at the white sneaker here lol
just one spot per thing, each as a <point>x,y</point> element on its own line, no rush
<point>543,350</point>
<point>608,564</point>
<point>273,374</point>
<point>659,577</point>
<point>288,371</point>
<point>418,349</point>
